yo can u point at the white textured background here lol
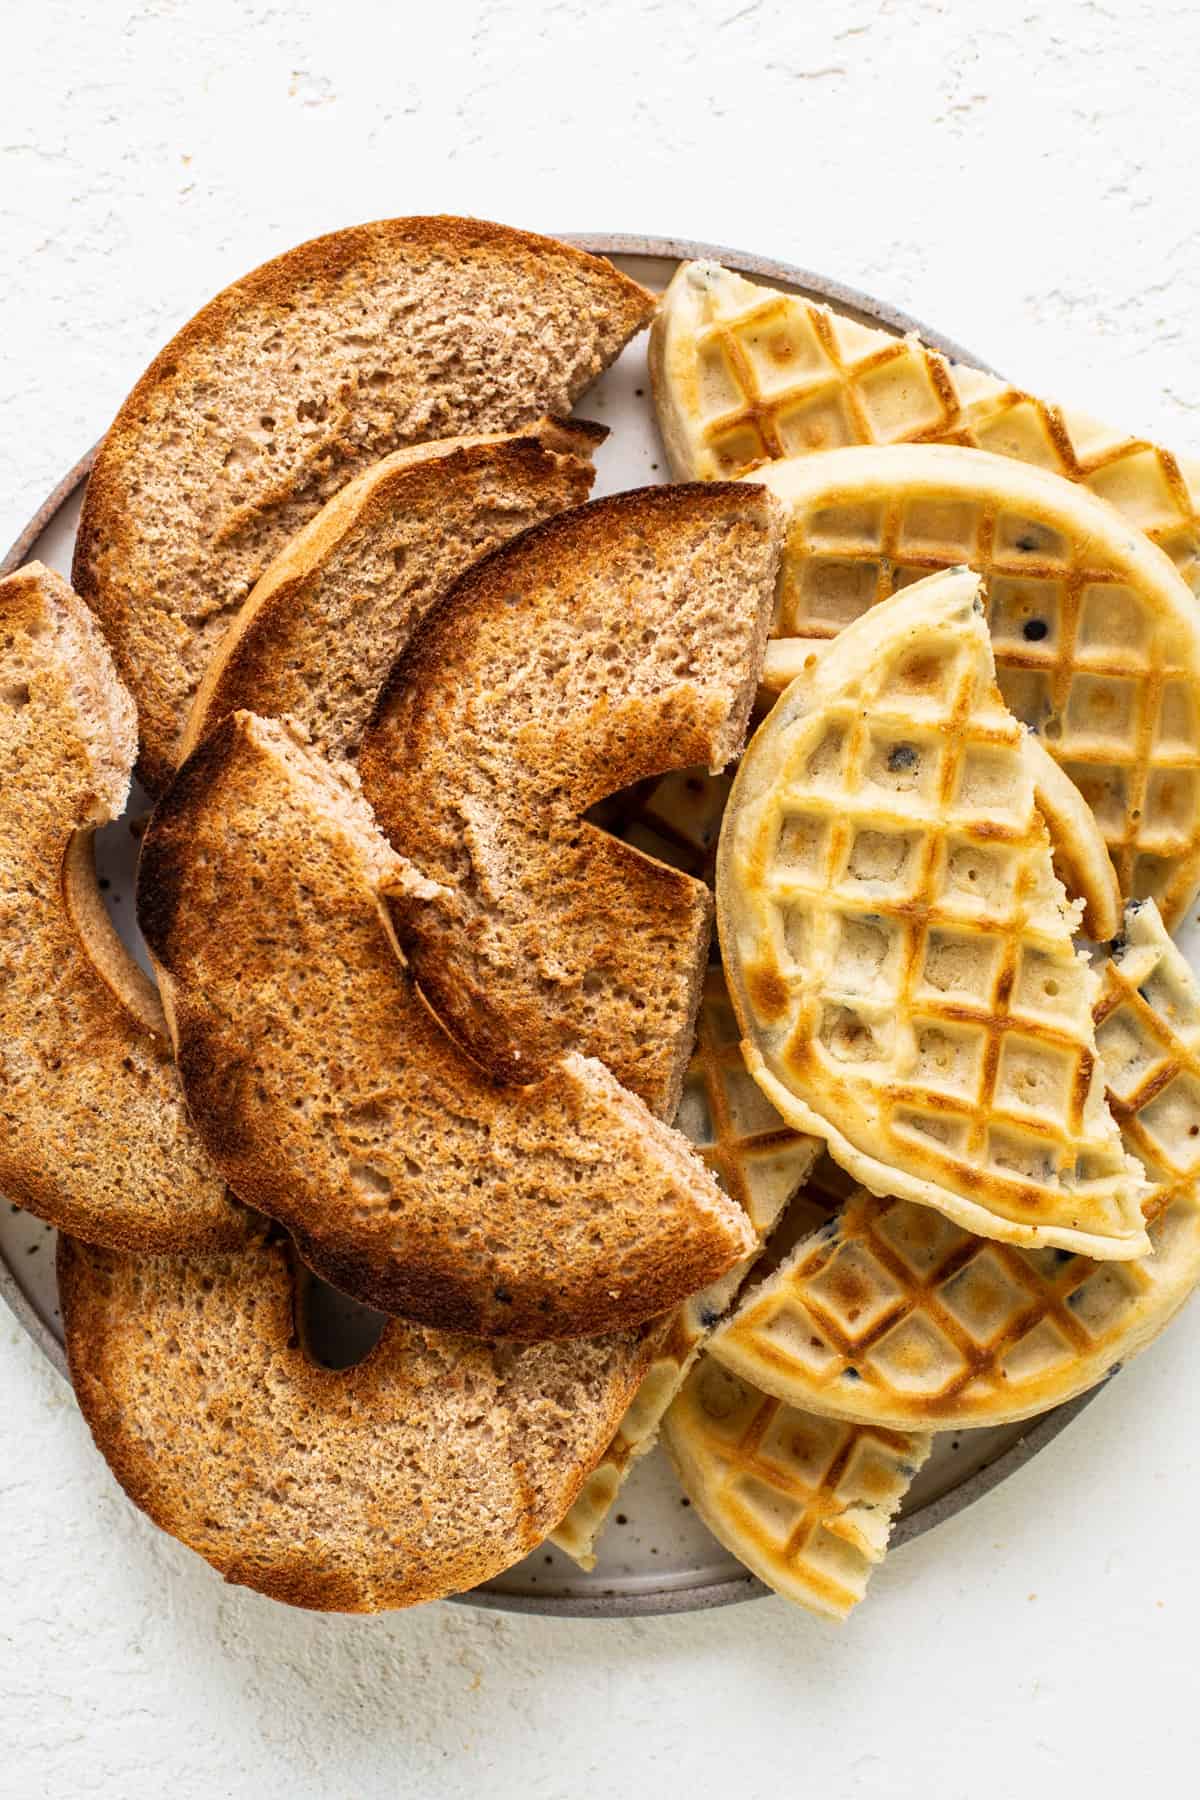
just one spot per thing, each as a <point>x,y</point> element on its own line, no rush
<point>1023,177</point>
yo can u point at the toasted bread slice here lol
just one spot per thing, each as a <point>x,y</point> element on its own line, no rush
<point>615,642</point>
<point>327,620</point>
<point>429,1466</point>
<point>296,379</point>
<point>94,1135</point>
<point>332,1099</point>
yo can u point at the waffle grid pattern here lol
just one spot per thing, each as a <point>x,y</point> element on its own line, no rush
<point>893,1314</point>
<point>807,1503</point>
<point>903,875</point>
<point>1077,653</point>
<point>780,376</point>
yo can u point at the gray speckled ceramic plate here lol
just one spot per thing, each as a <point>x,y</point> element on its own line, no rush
<point>655,1556</point>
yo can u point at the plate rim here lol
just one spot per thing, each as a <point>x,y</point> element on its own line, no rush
<point>1044,1427</point>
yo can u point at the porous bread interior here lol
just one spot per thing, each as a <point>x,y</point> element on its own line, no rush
<point>325,622</point>
<point>613,642</point>
<point>94,1136</point>
<point>335,1102</point>
<point>429,1466</point>
<point>811,1044</point>
<point>381,336</point>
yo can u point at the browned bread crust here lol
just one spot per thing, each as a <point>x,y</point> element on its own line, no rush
<point>332,1099</point>
<point>292,381</point>
<point>431,1465</point>
<point>325,623</point>
<point>611,643</point>
<point>94,1135</point>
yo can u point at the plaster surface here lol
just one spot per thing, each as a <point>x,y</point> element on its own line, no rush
<point>1024,179</point>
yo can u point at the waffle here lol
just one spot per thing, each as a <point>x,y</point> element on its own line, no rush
<point>744,374</point>
<point>1081,859</point>
<point>805,1502</point>
<point>890,1315</point>
<point>899,950</point>
<point>1097,640</point>
<point>764,1164</point>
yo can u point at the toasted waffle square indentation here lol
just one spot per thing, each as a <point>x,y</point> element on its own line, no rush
<point>694,1117</point>
<point>985,785</point>
<point>1025,616</point>
<point>749,1111</point>
<point>1114,626</point>
<point>784,352</point>
<point>775,1514</point>
<point>978,878</point>
<point>1172,1121</point>
<point>830,592</point>
<point>1020,431</point>
<point>727,1404</point>
<point>1130,1051</point>
<point>865,954</point>
<point>925,674</point>
<point>1045,1348</point>
<point>1105,787</point>
<point>738,447</point>
<point>921,1237</point>
<point>1027,692</point>
<point>1029,1158</point>
<point>984,1298</point>
<point>801,1443</point>
<point>821,422</point>
<point>720,1022</point>
<point>855,1290</point>
<point>1100,710</point>
<point>949,1058</point>
<point>899,397</point>
<point>1034,1077</point>
<point>1176,727</point>
<point>825,763</point>
<point>1137,485</point>
<point>1030,541</point>
<point>802,847</point>
<point>959,965</point>
<point>946,530</point>
<point>882,862</point>
<point>917,1357</point>
<point>1170,809</point>
<point>720,391</point>
<point>903,765</point>
<point>854,527</point>
<point>1166,995</point>
<point>796,930</point>
<point>848,1037</point>
<point>792,1329</point>
<point>1103,1297</point>
<point>929,1128</point>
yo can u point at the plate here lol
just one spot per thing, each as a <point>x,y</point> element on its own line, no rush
<point>655,1556</point>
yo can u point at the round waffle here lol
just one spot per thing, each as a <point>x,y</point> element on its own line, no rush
<point>763,1164</point>
<point>890,1315</point>
<point>1081,859</point>
<point>899,949</point>
<point>807,1503</point>
<point>744,374</point>
<point>1096,637</point>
